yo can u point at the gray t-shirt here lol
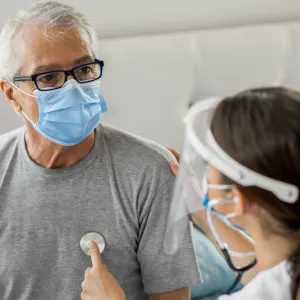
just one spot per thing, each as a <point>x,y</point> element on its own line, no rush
<point>122,190</point>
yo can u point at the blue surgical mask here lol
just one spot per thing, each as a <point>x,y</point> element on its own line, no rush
<point>69,114</point>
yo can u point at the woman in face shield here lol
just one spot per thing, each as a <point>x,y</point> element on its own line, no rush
<point>239,175</point>
<point>241,159</point>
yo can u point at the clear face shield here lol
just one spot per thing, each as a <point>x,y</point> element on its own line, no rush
<point>199,192</point>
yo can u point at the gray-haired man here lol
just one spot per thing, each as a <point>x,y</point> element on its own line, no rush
<point>64,175</point>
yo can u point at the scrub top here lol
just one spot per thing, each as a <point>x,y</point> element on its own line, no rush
<point>271,284</point>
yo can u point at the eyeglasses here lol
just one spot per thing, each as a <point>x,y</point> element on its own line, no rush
<point>53,80</point>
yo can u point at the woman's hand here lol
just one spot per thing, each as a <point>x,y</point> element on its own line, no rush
<point>174,164</point>
<point>98,283</point>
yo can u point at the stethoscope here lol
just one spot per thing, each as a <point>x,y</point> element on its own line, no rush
<point>92,236</point>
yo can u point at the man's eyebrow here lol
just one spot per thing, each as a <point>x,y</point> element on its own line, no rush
<point>46,68</point>
<point>53,67</point>
<point>83,60</point>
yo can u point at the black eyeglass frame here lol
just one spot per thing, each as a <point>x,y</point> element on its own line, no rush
<point>66,72</point>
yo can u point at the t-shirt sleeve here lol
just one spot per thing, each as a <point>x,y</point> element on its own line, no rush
<point>163,272</point>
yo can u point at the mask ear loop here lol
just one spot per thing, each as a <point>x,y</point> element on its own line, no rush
<point>20,89</point>
<point>22,111</point>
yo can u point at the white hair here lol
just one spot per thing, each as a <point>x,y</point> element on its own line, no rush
<point>48,14</point>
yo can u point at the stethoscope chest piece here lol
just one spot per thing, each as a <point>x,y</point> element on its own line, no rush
<point>92,236</point>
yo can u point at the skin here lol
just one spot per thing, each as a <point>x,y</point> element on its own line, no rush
<point>62,49</point>
<point>98,282</point>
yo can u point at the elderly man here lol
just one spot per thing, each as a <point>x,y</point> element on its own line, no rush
<point>64,175</point>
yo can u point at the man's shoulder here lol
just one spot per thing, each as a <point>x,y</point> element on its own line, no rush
<point>131,148</point>
<point>9,139</point>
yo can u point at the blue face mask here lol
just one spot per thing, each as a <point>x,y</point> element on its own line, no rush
<point>69,114</point>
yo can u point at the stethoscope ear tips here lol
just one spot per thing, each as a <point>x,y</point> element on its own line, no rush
<point>92,236</point>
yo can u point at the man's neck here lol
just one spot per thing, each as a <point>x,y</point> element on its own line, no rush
<point>52,156</point>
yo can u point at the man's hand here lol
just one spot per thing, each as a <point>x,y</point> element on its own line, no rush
<point>98,283</point>
<point>174,164</point>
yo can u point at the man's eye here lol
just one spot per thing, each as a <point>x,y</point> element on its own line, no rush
<point>52,77</point>
<point>46,78</point>
<point>85,70</point>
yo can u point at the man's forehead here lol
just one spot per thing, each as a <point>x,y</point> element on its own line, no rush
<point>38,49</point>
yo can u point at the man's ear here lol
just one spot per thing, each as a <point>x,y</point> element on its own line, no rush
<point>240,204</point>
<point>8,92</point>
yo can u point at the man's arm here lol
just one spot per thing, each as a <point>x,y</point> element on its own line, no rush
<point>180,294</point>
<point>164,271</point>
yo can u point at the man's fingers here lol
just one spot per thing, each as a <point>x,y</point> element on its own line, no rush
<point>95,255</point>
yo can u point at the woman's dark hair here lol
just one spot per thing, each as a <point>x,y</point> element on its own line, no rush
<point>260,129</point>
